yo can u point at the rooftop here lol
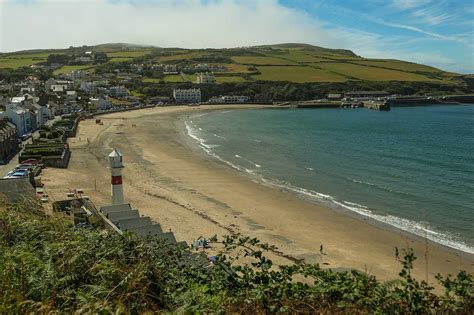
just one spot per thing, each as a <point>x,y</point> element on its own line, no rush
<point>115,153</point>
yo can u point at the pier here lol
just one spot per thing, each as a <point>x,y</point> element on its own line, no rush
<point>377,105</point>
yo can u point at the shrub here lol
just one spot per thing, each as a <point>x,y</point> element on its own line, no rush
<point>48,265</point>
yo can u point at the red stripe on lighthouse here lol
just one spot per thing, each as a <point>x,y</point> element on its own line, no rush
<point>116,180</point>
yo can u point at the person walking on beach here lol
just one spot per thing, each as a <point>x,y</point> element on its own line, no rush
<point>321,249</point>
<point>397,254</point>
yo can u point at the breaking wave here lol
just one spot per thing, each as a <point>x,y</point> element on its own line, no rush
<point>406,225</point>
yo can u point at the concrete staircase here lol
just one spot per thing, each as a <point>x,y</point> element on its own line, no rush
<point>127,219</point>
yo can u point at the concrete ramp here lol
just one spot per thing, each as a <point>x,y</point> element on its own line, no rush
<point>127,224</point>
<point>116,216</point>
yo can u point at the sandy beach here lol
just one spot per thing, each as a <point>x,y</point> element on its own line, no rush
<point>194,195</point>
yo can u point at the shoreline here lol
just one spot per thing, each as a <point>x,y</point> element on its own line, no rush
<point>168,181</point>
<point>197,145</point>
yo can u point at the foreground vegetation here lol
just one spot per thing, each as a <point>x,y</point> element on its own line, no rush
<point>48,265</point>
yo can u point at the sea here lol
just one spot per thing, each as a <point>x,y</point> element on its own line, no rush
<point>411,168</point>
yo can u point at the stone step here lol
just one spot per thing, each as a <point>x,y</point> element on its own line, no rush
<point>147,230</point>
<point>121,215</point>
<point>108,209</point>
<point>127,224</point>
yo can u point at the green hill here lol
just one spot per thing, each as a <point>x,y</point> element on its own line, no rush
<point>280,72</point>
<point>300,63</point>
<point>304,63</point>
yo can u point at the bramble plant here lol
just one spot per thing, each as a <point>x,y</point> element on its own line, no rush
<point>48,265</point>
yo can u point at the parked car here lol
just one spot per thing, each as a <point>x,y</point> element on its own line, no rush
<point>28,167</point>
<point>30,161</point>
<point>19,168</point>
<point>18,174</point>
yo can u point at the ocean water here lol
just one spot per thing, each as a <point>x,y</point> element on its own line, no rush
<point>411,168</point>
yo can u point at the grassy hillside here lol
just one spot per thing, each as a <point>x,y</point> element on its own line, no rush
<point>296,63</point>
<point>49,266</point>
<point>15,61</point>
<point>302,63</point>
<point>67,69</point>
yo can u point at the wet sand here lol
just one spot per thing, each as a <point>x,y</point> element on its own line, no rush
<point>177,185</point>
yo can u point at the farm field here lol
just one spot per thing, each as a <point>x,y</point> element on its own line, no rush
<point>67,69</point>
<point>17,60</point>
<point>173,78</point>
<point>236,68</point>
<point>180,78</point>
<point>128,54</point>
<point>398,65</point>
<point>299,63</point>
<point>371,73</point>
<point>120,59</point>
<point>15,63</point>
<point>260,60</point>
<point>229,79</point>
<point>299,56</point>
<point>152,80</point>
<point>298,74</point>
<point>184,56</point>
<point>39,56</point>
<point>336,58</point>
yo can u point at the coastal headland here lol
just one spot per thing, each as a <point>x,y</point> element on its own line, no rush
<point>177,185</point>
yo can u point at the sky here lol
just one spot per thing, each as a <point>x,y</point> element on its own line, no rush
<point>434,32</point>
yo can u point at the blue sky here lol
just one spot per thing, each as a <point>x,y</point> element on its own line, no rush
<point>435,32</point>
<point>441,31</point>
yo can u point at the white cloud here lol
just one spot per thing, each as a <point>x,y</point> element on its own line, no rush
<point>186,23</point>
<point>28,24</point>
<point>409,4</point>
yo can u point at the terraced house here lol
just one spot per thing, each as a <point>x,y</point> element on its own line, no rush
<point>8,141</point>
<point>19,116</point>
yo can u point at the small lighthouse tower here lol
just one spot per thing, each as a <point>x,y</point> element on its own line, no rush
<point>116,165</point>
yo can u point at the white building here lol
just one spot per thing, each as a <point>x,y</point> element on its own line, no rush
<point>41,113</point>
<point>28,89</point>
<point>187,95</point>
<point>201,66</point>
<point>229,99</point>
<point>59,88</point>
<point>205,78</point>
<point>101,102</point>
<point>57,85</point>
<point>19,116</point>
